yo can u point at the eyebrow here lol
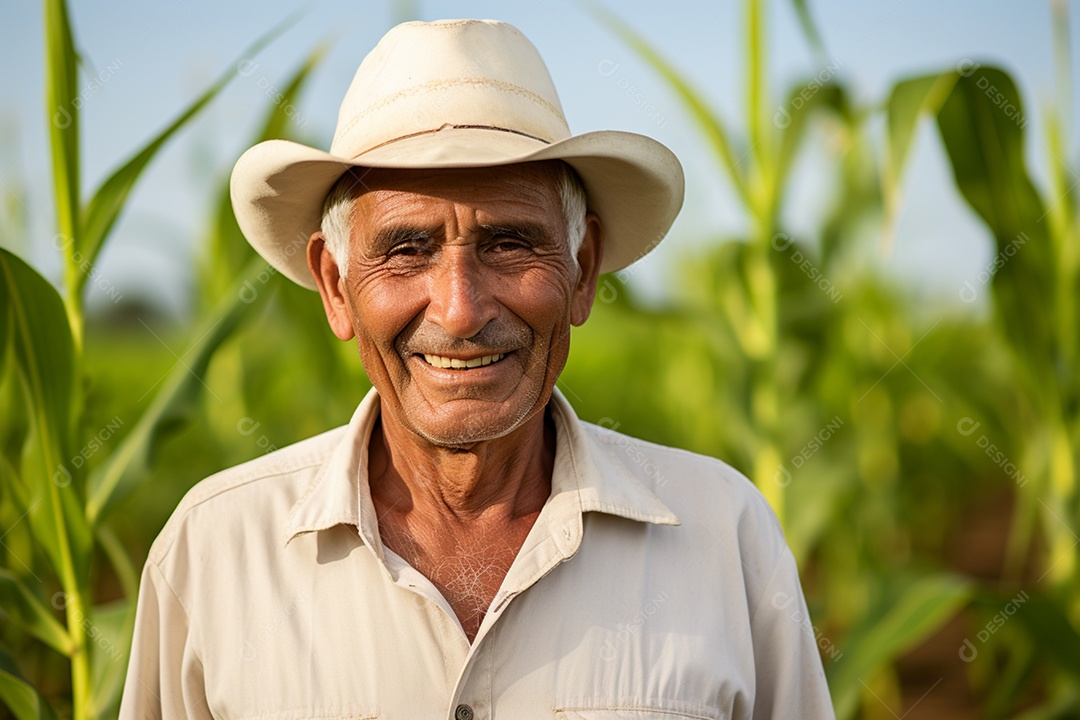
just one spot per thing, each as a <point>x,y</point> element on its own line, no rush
<point>388,237</point>
<point>533,232</point>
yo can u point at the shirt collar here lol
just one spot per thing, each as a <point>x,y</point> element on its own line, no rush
<point>331,497</point>
<point>595,470</point>
<point>588,473</point>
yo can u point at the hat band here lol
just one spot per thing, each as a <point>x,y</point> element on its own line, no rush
<point>450,127</point>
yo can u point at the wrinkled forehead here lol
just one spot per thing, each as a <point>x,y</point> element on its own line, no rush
<point>540,176</point>
<point>511,194</point>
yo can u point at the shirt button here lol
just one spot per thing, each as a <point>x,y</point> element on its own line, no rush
<point>463,712</point>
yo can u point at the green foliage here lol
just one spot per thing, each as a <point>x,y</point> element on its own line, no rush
<point>44,360</point>
<point>53,475</point>
<point>18,695</point>
<point>1051,631</point>
<point>63,115</point>
<point>24,608</point>
<point>176,404</point>
<point>908,102</point>
<point>906,616</point>
<point>792,358</point>
<point>105,206</point>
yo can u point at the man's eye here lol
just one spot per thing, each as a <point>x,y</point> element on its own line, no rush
<point>409,248</point>
<point>508,244</point>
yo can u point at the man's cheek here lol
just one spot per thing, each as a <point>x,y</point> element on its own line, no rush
<point>548,292</point>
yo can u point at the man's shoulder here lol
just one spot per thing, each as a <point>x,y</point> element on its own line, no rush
<point>262,489</point>
<point>694,486</point>
<point>660,465</point>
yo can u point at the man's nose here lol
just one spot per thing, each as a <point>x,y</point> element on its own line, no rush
<point>460,297</point>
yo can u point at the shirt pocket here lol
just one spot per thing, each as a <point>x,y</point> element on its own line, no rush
<point>636,713</point>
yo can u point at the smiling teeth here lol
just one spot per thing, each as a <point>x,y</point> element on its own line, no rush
<point>444,362</point>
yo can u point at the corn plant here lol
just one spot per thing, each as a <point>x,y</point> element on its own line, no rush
<point>1034,287</point>
<point>762,351</point>
<point>59,491</point>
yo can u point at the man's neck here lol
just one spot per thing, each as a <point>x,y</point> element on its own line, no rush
<point>493,482</point>
<point>460,516</point>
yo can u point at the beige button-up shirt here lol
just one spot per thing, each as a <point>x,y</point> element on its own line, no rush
<point>654,583</point>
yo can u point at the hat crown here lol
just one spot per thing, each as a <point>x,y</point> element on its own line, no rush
<point>424,76</point>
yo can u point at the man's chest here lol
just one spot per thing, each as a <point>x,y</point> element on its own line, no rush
<point>468,577</point>
<point>467,569</point>
<point>613,628</point>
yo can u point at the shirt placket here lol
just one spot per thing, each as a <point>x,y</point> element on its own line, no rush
<point>552,540</point>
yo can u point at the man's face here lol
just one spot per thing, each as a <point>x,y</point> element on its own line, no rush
<point>460,291</point>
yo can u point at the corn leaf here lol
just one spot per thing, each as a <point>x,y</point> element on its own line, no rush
<point>109,199</point>
<point>901,622</point>
<point>761,136</point>
<point>14,428</point>
<point>1063,705</point>
<point>793,119</point>
<point>113,625</point>
<point>26,610</point>
<point>20,696</point>
<point>708,122</point>
<point>1046,624</point>
<point>1065,233</point>
<point>276,123</point>
<point>981,125</point>
<point>228,250</point>
<point>809,28</point>
<point>11,422</point>
<point>908,101</point>
<point>128,466</point>
<point>5,336</point>
<point>40,339</point>
<point>61,79</point>
<point>44,355</point>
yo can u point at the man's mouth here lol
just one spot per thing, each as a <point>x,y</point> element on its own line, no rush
<point>440,361</point>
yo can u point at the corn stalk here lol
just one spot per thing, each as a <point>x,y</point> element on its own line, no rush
<point>42,359</point>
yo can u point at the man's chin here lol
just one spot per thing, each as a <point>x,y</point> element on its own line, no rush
<point>463,423</point>
<point>466,431</point>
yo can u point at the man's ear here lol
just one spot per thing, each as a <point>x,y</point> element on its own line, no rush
<point>589,257</point>
<point>331,286</point>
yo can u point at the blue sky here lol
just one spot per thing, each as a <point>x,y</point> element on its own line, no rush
<point>157,56</point>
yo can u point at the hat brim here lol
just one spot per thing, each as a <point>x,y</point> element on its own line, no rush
<point>633,183</point>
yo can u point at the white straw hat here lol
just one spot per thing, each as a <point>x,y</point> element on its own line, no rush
<point>454,93</point>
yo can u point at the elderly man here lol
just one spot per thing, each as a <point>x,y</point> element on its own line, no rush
<point>466,547</point>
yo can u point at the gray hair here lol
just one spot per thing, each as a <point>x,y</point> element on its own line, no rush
<point>337,211</point>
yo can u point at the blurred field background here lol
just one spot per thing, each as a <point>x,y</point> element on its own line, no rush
<point>869,307</point>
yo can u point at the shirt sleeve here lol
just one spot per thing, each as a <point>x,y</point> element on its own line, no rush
<point>164,676</point>
<point>790,681</point>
